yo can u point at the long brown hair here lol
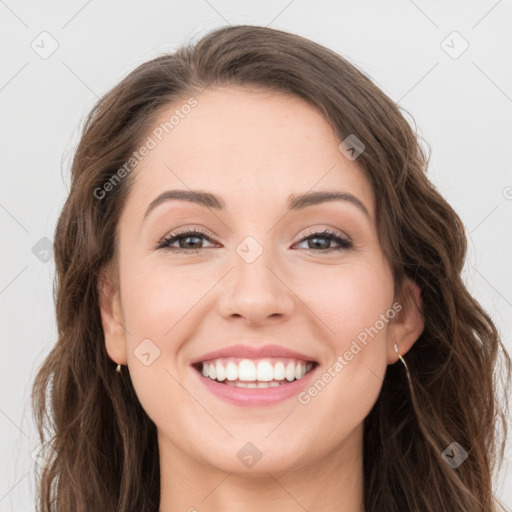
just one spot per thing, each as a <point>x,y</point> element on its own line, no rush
<point>104,444</point>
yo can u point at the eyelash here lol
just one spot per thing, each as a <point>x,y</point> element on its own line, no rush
<point>165,243</point>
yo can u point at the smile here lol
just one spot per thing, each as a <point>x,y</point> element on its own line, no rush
<point>254,382</point>
<point>259,373</point>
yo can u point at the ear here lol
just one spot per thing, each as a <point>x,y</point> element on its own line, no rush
<point>111,315</point>
<point>408,324</point>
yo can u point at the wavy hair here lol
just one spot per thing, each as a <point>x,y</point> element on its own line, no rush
<point>105,450</point>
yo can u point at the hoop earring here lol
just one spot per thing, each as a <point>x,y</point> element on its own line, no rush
<point>404,363</point>
<point>118,369</point>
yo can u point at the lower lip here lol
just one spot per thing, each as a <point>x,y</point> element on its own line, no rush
<point>255,396</point>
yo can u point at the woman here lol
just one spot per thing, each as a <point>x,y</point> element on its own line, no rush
<point>249,245</point>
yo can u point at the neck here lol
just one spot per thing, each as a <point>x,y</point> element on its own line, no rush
<point>331,482</point>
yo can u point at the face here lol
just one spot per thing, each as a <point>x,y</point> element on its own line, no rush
<point>253,273</point>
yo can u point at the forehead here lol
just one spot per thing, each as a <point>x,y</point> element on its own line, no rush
<point>246,145</point>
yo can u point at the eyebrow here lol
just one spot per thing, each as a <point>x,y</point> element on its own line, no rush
<point>295,201</point>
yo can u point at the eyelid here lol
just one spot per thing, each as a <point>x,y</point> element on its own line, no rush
<point>190,228</point>
<point>344,241</point>
<point>208,234</point>
<point>182,232</point>
<point>325,230</point>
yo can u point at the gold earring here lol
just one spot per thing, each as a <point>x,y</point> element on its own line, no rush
<point>403,362</point>
<point>118,369</point>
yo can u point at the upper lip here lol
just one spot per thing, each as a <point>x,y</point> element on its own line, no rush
<point>252,352</point>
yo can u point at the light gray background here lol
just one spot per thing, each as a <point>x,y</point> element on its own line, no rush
<point>462,107</point>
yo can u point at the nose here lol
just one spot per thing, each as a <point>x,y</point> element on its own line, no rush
<point>256,291</point>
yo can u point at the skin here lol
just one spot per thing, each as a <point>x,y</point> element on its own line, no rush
<point>253,149</point>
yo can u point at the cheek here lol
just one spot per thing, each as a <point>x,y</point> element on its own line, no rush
<point>343,302</point>
<point>350,299</point>
<point>356,307</point>
<point>156,296</point>
<point>346,299</point>
<point>156,300</point>
<point>161,304</point>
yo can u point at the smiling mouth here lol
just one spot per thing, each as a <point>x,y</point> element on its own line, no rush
<point>251,373</point>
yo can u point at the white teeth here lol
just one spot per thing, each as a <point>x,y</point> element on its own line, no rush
<point>265,373</point>
<point>300,371</point>
<point>247,370</point>
<point>231,371</point>
<point>239,384</point>
<point>221,373</point>
<point>279,373</point>
<point>290,371</point>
